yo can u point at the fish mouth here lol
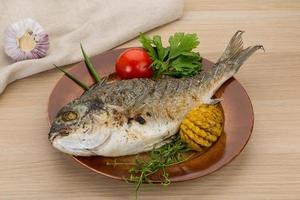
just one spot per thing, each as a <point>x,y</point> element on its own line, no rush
<point>52,136</point>
<point>78,151</point>
<point>62,132</point>
<point>72,151</point>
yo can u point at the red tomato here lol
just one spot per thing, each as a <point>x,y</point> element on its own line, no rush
<point>134,63</point>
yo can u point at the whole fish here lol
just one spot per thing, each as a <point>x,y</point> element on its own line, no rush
<point>133,116</point>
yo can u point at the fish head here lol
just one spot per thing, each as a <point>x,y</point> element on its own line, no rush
<point>74,130</point>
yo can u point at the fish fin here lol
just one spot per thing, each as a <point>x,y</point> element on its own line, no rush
<point>163,142</point>
<point>244,55</point>
<point>234,47</point>
<point>215,101</point>
<point>228,64</point>
<point>104,80</point>
<point>234,55</point>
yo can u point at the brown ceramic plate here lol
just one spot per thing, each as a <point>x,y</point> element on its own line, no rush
<point>237,129</point>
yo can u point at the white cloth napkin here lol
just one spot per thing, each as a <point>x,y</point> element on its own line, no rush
<point>98,24</point>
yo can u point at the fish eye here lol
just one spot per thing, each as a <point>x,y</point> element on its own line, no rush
<point>69,116</point>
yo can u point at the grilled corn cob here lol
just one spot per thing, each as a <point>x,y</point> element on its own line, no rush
<point>202,126</point>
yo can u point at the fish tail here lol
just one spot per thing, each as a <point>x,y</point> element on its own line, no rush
<point>230,62</point>
<point>235,55</point>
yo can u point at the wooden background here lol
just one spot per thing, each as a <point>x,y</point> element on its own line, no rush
<point>268,168</point>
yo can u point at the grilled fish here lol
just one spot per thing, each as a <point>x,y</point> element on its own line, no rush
<point>133,116</point>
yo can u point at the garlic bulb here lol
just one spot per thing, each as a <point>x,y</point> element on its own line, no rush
<point>26,39</point>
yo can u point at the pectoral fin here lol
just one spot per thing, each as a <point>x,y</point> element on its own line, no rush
<point>215,101</point>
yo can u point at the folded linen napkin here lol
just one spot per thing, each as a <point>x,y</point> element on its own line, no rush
<point>98,24</point>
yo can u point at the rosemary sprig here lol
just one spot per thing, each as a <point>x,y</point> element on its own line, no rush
<point>78,82</point>
<point>159,159</point>
<point>165,156</point>
<point>90,65</point>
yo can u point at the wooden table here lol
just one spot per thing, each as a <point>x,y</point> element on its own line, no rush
<point>268,168</point>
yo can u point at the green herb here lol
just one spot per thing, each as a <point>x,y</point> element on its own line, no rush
<point>90,66</point>
<point>169,154</point>
<point>78,82</point>
<point>178,59</point>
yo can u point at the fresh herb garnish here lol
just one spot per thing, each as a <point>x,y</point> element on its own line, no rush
<point>165,156</point>
<point>178,59</point>
<point>89,65</point>
<point>73,78</point>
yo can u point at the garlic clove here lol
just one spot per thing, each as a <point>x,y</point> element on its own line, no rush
<point>26,39</point>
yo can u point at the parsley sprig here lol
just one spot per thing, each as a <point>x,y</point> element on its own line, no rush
<point>178,59</point>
